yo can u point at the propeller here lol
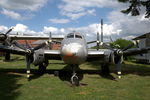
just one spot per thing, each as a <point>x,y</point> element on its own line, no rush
<point>118,55</point>
<point>30,53</point>
<point>6,40</point>
<point>98,41</point>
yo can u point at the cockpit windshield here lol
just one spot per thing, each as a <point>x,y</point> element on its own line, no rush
<point>71,35</point>
<point>78,36</point>
<point>74,35</point>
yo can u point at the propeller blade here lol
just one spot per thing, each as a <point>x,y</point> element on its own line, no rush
<point>50,36</point>
<point>128,47</point>
<point>9,31</point>
<point>97,36</point>
<point>111,39</point>
<point>42,45</point>
<point>28,63</point>
<point>91,42</point>
<point>107,46</point>
<point>50,39</point>
<point>135,43</point>
<point>118,66</point>
<point>27,44</point>
<point>19,45</point>
<point>97,46</point>
<point>119,70</point>
<point>98,42</point>
<point>39,46</point>
<point>101,30</point>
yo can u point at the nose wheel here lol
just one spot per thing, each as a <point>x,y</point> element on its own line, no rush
<point>75,80</point>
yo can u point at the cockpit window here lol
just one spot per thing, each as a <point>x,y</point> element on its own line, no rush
<point>78,36</point>
<point>71,35</point>
<point>74,35</point>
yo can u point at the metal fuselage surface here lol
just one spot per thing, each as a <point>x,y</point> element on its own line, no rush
<point>74,49</point>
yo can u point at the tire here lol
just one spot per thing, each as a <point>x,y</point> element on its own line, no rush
<point>105,69</point>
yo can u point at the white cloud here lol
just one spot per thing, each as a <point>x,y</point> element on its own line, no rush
<point>3,29</point>
<point>129,25</point>
<point>50,29</point>
<point>60,21</point>
<point>81,5</point>
<point>10,8</point>
<point>54,30</point>
<point>75,9</point>
<point>31,5</point>
<point>12,14</point>
<point>74,16</point>
<point>20,28</point>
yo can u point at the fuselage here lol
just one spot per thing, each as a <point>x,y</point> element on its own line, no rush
<point>74,48</point>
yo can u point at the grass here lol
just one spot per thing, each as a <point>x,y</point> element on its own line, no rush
<point>134,84</point>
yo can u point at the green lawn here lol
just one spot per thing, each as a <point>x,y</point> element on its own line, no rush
<point>134,84</point>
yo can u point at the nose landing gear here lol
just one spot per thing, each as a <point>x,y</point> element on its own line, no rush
<point>74,78</point>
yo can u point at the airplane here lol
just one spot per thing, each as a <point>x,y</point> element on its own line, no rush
<point>73,51</point>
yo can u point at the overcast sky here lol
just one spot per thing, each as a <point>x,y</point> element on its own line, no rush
<point>39,17</point>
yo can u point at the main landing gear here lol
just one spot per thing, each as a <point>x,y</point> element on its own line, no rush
<point>42,67</point>
<point>74,78</point>
<point>105,69</point>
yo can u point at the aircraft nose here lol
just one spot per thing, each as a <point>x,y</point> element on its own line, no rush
<point>71,49</point>
<point>70,52</point>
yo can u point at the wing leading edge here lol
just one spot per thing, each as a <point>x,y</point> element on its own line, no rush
<point>95,55</point>
<point>18,37</point>
<point>13,50</point>
<point>136,51</point>
<point>53,54</point>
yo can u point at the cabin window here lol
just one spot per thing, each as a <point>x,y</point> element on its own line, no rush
<point>78,36</point>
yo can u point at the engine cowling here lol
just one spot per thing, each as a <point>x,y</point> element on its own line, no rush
<point>115,59</point>
<point>38,57</point>
<point>3,37</point>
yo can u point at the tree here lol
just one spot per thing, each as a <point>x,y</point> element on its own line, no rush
<point>135,7</point>
<point>120,43</point>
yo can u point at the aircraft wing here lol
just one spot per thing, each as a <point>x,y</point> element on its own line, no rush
<point>52,54</point>
<point>19,37</point>
<point>12,49</point>
<point>95,55</point>
<point>136,51</point>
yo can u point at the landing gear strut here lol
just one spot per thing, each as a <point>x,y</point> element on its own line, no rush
<point>74,78</point>
<point>42,67</point>
<point>105,69</point>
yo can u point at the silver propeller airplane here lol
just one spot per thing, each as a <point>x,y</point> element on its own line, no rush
<point>73,51</point>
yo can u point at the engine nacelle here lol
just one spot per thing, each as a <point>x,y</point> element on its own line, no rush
<point>114,59</point>
<point>38,57</point>
<point>3,37</point>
